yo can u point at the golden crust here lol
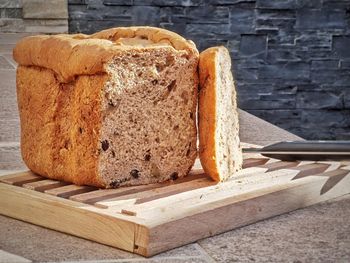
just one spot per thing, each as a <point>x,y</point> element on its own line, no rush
<point>79,54</point>
<point>207,112</point>
<point>59,124</point>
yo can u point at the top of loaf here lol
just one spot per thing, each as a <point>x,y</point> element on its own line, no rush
<point>80,54</point>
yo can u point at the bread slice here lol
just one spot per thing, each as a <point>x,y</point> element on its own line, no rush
<point>219,148</point>
<point>110,109</point>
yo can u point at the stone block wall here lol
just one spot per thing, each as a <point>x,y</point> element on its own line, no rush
<point>34,16</point>
<point>291,57</point>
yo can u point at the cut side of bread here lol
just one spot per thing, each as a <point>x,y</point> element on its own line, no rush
<point>219,146</point>
<point>111,109</point>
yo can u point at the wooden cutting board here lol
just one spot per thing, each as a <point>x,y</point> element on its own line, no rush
<point>154,218</point>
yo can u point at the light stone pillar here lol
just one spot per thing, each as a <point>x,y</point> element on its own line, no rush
<point>37,16</point>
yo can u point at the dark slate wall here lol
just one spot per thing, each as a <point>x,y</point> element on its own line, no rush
<point>291,57</point>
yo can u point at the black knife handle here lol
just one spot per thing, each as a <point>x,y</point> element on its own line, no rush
<point>308,150</point>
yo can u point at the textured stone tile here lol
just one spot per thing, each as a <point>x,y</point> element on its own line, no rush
<point>118,2</point>
<point>253,45</point>
<point>172,260</point>
<point>48,9</point>
<point>341,46</point>
<point>330,76</point>
<point>325,64</point>
<point>242,20</point>
<point>10,156</point>
<point>345,64</point>
<point>8,99</point>
<point>47,29</point>
<point>10,3</point>
<point>6,48</point>
<point>9,130</point>
<point>287,101</point>
<point>9,258</point>
<point>11,25</point>
<point>315,234</point>
<point>10,59</point>
<point>312,19</point>
<point>150,260</point>
<point>208,30</point>
<point>285,70</point>
<point>309,3</point>
<point>12,38</point>
<point>11,12</point>
<point>276,4</point>
<point>285,119</point>
<point>313,100</point>
<point>335,4</point>
<point>190,250</point>
<point>315,118</point>
<point>117,13</point>
<point>4,64</point>
<point>169,2</point>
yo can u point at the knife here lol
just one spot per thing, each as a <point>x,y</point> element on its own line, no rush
<point>305,150</point>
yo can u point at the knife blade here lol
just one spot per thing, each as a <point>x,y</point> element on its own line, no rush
<point>305,150</point>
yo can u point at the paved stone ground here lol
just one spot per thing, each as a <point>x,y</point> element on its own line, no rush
<point>320,233</point>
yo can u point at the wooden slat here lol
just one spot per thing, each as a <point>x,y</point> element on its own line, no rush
<point>106,194</point>
<point>278,165</point>
<point>332,165</point>
<point>20,178</point>
<point>157,193</point>
<point>308,169</point>
<point>194,172</point>
<point>251,162</point>
<point>99,195</point>
<point>44,185</point>
<point>69,190</point>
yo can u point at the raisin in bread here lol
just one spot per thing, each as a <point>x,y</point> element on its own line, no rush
<point>219,148</point>
<point>110,109</point>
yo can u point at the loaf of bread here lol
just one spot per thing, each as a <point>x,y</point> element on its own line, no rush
<point>110,109</point>
<point>219,150</point>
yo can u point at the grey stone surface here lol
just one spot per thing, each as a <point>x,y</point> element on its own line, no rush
<point>341,46</point>
<point>38,16</point>
<point>277,4</point>
<point>5,64</point>
<point>328,18</point>
<point>11,4</point>
<point>253,45</point>
<point>315,234</point>
<point>10,156</point>
<point>285,44</point>
<point>48,9</point>
<point>11,12</point>
<point>11,258</point>
<point>285,70</point>
<point>328,100</point>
